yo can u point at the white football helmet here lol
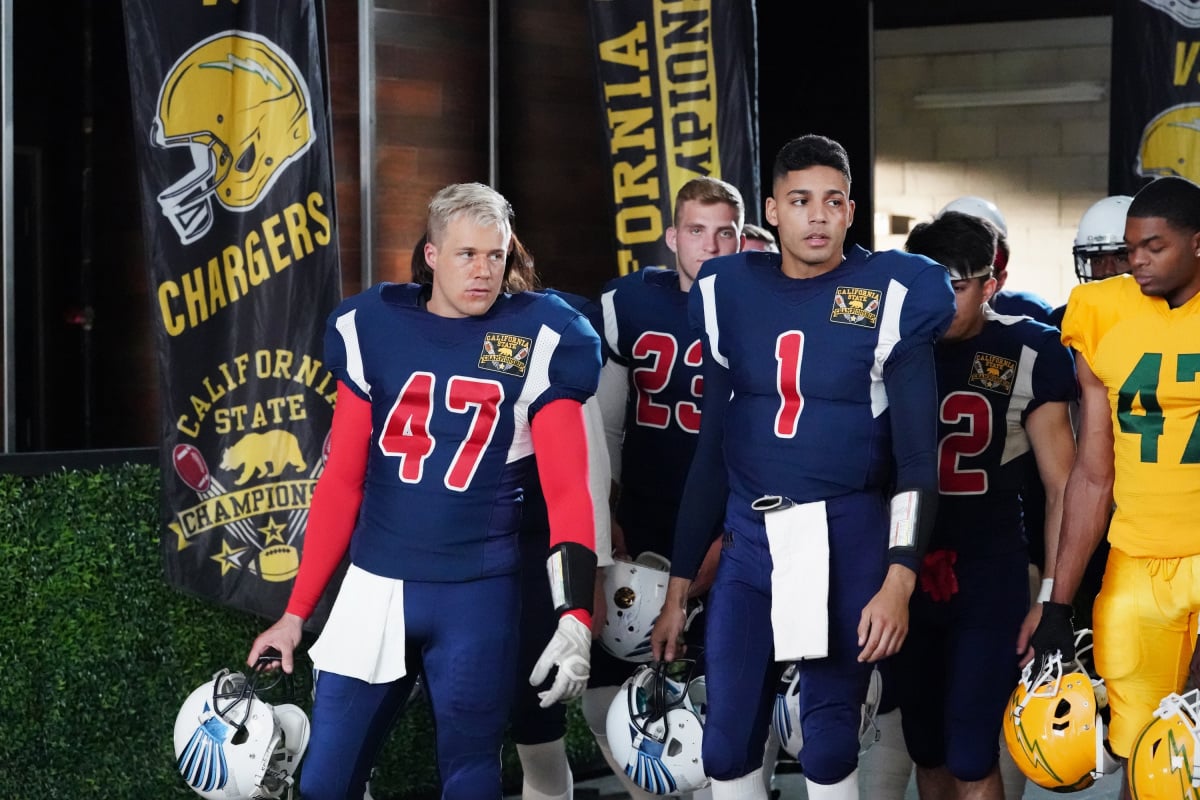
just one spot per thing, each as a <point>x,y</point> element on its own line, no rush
<point>980,209</point>
<point>655,727</point>
<point>1099,249</point>
<point>232,745</point>
<point>635,591</point>
<point>786,716</point>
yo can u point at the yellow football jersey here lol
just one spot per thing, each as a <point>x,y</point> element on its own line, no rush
<point>1148,356</point>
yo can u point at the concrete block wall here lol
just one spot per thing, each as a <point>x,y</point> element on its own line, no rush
<point>1042,165</point>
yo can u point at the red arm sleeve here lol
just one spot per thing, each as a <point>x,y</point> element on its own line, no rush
<point>560,442</point>
<point>334,508</point>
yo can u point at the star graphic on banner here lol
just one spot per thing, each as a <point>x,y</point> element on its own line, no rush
<point>229,557</point>
<point>273,531</point>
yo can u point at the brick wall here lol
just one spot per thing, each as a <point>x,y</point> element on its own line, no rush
<point>1043,165</point>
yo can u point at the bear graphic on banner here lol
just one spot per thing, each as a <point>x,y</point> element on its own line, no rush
<point>254,451</point>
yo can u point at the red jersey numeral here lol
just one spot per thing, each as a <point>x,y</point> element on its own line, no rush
<point>789,355</point>
<point>406,431</point>
<point>661,349</point>
<point>485,397</point>
<point>972,441</point>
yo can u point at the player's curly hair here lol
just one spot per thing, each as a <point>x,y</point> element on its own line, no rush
<point>1177,200</point>
<point>811,150</point>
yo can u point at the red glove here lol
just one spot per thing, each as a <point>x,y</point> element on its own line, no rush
<point>937,575</point>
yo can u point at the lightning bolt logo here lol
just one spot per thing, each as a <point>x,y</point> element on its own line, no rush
<point>1032,749</point>
<point>1181,765</point>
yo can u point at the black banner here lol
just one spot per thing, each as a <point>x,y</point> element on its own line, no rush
<point>234,156</point>
<point>1155,93</point>
<point>678,93</point>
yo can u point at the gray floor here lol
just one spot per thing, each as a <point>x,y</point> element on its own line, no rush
<point>791,787</point>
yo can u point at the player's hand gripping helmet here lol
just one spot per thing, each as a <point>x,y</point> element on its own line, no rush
<point>655,727</point>
<point>634,591</point>
<point>232,745</point>
<point>238,105</point>
<point>1054,726</point>
<point>1163,761</point>
<point>1099,249</point>
<point>785,718</point>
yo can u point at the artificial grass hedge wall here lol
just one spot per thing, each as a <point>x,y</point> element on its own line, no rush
<point>97,653</point>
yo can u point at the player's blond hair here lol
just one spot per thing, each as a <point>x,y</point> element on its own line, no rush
<point>480,204</point>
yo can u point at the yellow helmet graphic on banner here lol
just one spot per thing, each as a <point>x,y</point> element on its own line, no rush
<point>237,102</point>
<point>1171,144</point>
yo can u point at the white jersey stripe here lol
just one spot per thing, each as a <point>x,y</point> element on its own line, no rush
<point>354,363</point>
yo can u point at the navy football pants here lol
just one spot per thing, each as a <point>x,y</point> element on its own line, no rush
<point>532,724</point>
<point>958,666</point>
<point>459,636</point>
<point>741,673</point>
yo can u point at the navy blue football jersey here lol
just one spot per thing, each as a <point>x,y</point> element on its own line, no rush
<point>451,405</point>
<point>988,385</point>
<point>646,329</point>
<point>1014,303</point>
<point>807,362</point>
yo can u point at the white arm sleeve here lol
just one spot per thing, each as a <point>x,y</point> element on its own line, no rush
<point>611,396</point>
<point>599,479</point>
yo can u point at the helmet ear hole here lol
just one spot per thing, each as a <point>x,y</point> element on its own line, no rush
<point>674,747</point>
<point>240,736</point>
<point>635,591</point>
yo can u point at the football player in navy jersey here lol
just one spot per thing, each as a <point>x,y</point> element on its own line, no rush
<point>1004,384</point>
<point>539,732</point>
<point>757,238</point>
<point>1013,302</point>
<point>445,392</point>
<point>818,447</point>
<point>650,392</point>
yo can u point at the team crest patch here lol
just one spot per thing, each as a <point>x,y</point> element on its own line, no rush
<point>853,306</point>
<point>503,352</point>
<point>994,373</point>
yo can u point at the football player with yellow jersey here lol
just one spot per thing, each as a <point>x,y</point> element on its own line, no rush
<point>1137,338</point>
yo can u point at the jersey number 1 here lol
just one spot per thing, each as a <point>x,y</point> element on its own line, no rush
<point>406,432</point>
<point>1143,383</point>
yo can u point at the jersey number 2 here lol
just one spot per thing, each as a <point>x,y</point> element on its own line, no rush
<point>406,432</point>
<point>971,441</point>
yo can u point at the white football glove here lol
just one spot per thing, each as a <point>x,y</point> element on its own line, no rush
<point>570,650</point>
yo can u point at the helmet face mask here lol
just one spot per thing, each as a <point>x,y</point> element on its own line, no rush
<point>232,745</point>
<point>655,727</point>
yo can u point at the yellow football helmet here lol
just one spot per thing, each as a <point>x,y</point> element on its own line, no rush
<point>238,104</point>
<point>1163,761</point>
<point>1171,144</point>
<point>1053,725</point>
